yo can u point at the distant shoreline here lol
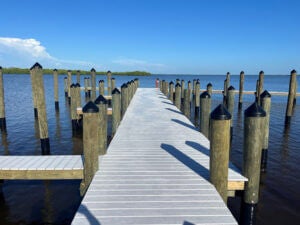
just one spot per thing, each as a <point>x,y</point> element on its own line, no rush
<point>82,72</point>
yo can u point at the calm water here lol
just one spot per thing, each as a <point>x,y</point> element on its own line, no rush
<point>55,202</point>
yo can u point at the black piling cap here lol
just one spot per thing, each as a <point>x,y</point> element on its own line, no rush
<point>115,91</point>
<point>265,94</point>
<point>227,73</point>
<point>93,70</point>
<point>90,107</point>
<point>205,94</point>
<point>55,70</point>
<point>65,78</point>
<point>77,85</point>
<point>73,85</point>
<point>69,71</point>
<point>209,85</point>
<point>136,79</point>
<point>293,71</point>
<point>171,82</point>
<point>0,67</point>
<point>220,113</point>
<point>100,100</point>
<point>78,71</point>
<point>177,79</point>
<point>124,85</point>
<point>177,85</point>
<point>231,88</point>
<point>242,72</point>
<point>197,82</point>
<point>261,72</point>
<point>254,110</point>
<point>108,71</point>
<point>113,78</point>
<point>36,65</point>
<point>189,82</point>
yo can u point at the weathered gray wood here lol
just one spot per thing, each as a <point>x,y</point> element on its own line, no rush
<point>205,107</point>
<point>187,103</point>
<point>171,91</point>
<point>101,103</point>
<point>219,149</point>
<point>265,98</point>
<point>33,84</point>
<point>2,105</point>
<point>230,105</point>
<point>178,95</point>
<point>55,79</point>
<point>69,82</point>
<point>291,97</point>
<point>90,144</point>
<point>241,89</point>
<point>78,77</point>
<point>116,110</point>
<point>86,87</point>
<point>209,89</point>
<point>124,99</point>
<point>260,85</point>
<point>108,78</point>
<point>101,87</point>
<point>73,106</point>
<point>113,84</point>
<point>66,86</point>
<point>37,75</point>
<point>93,84</point>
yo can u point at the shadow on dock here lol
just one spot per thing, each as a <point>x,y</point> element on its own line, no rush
<point>175,111</point>
<point>198,147</point>
<point>186,160</point>
<point>184,124</point>
<point>167,103</point>
<point>90,217</point>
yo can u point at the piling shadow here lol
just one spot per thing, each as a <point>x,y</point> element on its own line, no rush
<point>186,160</point>
<point>90,217</point>
<point>167,103</point>
<point>184,124</point>
<point>175,111</point>
<point>198,147</point>
<point>163,97</point>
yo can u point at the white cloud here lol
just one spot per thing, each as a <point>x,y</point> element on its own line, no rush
<point>135,64</point>
<point>24,52</point>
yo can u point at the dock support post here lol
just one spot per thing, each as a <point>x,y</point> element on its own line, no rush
<point>89,86</point>
<point>186,103</point>
<point>101,103</point>
<point>73,107</point>
<point>108,76</point>
<point>197,101</point>
<point>116,110</point>
<point>254,117</point>
<point>55,79</point>
<point>205,107</point>
<point>178,95</point>
<point>241,89</point>
<point>171,91</point>
<point>66,86</point>
<point>37,75</point>
<point>101,87</point>
<point>219,149</point>
<point>124,93</point>
<point>291,97</point>
<point>230,107</point>
<point>86,87</point>
<point>2,105</point>
<point>182,93</point>
<point>93,82</point>
<point>209,89</point>
<point>265,98</point>
<point>33,84</point>
<point>78,77</point>
<point>113,84</point>
<point>69,82</point>
<point>90,144</point>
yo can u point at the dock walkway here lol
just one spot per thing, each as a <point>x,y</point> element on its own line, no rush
<point>156,171</point>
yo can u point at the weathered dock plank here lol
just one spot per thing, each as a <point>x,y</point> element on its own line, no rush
<point>156,171</point>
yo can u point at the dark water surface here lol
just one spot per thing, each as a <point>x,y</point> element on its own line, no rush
<point>55,202</point>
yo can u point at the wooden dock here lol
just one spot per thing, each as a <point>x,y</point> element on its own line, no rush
<point>156,171</point>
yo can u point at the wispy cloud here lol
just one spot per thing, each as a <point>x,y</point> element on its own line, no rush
<point>135,64</point>
<point>23,52</point>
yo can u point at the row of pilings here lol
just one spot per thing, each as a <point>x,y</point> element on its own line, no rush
<point>217,126</point>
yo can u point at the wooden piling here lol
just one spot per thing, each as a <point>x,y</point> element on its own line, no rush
<point>37,75</point>
<point>93,83</point>
<point>186,103</point>
<point>69,82</point>
<point>108,75</point>
<point>209,89</point>
<point>73,107</point>
<point>66,86</point>
<point>254,117</point>
<point>33,84</point>
<point>101,87</point>
<point>194,88</point>
<point>78,77</point>
<point>55,78</point>
<point>86,87</point>
<point>219,149</point>
<point>265,98</point>
<point>178,95</point>
<point>124,97</point>
<point>197,100</point>
<point>171,91</point>
<point>101,103</point>
<point>116,110</point>
<point>230,106</point>
<point>89,86</point>
<point>291,97</point>
<point>182,94</point>
<point>260,85</point>
<point>241,89</point>
<point>205,107</point>
<point>90,141</point>
<point>257,91</point>
<point>2,105</point>
<point>113,84</point>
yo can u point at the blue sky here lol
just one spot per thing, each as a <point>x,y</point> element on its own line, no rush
<point>159,36</point>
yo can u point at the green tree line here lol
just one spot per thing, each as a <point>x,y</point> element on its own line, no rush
<point>14,70</point>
